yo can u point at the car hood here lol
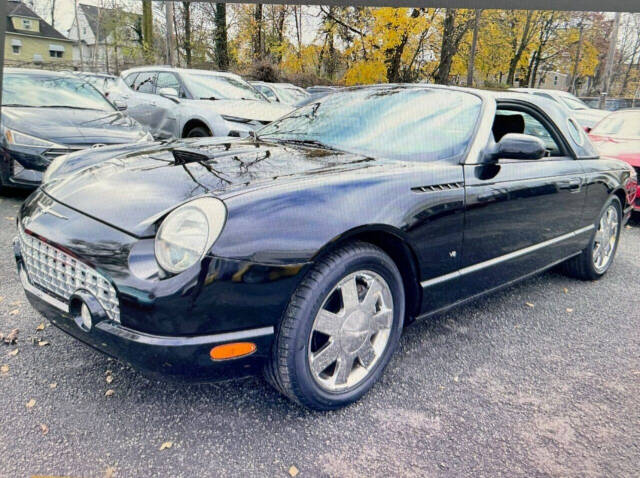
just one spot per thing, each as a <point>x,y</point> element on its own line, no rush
<point>133,190</point>
<point>69,127</point>
<point>247,109</point>
<point>626,149</point>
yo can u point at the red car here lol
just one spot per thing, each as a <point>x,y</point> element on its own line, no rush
<point>618,136</point>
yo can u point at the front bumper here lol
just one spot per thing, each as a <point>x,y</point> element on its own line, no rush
<point>164,326</point>
<point>183,358</point>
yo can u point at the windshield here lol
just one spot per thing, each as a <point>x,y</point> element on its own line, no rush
<point>290,95</point>
<point>416,124</point>
<point>204,86</point>
<point>573,102</point>
<point>44,91</point>
<point>625,125</point>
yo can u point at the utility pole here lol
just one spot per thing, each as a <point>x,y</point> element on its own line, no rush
<point>474,45</point>
<point>78,34</point>
<point>613,41</point>
<point>171,38</point>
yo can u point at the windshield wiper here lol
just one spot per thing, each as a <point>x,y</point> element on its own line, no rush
<point>16,105</point>
<point>212,98</point>
<point>71,107</point>
<point>305,142</point>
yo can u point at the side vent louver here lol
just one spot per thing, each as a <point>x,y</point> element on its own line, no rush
<point>438,187</point>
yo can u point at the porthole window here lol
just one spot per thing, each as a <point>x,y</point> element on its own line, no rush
<point>576,132</point>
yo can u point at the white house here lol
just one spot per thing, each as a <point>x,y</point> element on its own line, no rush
<point>108,38</point>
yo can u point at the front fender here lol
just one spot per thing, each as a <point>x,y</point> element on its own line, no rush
<point>290,222</point>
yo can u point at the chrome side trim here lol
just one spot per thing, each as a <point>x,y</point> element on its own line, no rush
<point>58,304</point>
<point>504,258</point>
<point>126,333</point>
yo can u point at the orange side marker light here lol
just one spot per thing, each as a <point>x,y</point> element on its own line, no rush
<point>232,350</point>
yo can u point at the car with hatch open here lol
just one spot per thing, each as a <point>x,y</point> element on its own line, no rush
<point>304,250</point>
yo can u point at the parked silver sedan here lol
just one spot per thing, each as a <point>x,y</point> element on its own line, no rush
<point>586,116</point>
<point>285,93</point>
<point>180,103</point>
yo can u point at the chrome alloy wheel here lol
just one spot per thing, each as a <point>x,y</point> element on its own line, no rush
<point>351,331</point>
<point>605,240</point>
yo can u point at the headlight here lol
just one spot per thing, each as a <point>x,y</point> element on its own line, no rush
<point>188,233</point>
<point>21,139</point>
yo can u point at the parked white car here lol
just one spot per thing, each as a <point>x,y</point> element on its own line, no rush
<point>182,103</point>
<point>586,116</point>
<point>285,93</point>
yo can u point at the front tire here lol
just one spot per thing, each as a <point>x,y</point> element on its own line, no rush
<point>198,132</point>
<point>596,259</point>
<point>341,327</point>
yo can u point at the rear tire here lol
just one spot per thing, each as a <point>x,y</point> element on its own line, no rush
<point>341,328</point>
<point>590,265</point>
<point>198,132</point>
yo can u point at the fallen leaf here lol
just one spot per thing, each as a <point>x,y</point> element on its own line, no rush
<point>9,218</point>
<point>44,428</point>
<point>566,291</point>
<point>31,403</point>
<point>12,338</point>
<point>455,379</point>
<point>16,303</point>
<point>569,310</point>
<point>1,298</point>
<point>4,368</point>
<point>108,372</point>
<point>109,378</point>
<point>109,392</point>
<point>109,472</point>
<point>13,353</point>
<point>165,445</point>
<point>293,471</point>
<point>42,343</point>
<point>529,304</point>
<point>14,312</point>
<point>53,385</point>
<point>40,327</point>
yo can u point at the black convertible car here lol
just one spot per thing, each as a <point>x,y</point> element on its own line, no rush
<point>47,114</point>
<point>303,251</point>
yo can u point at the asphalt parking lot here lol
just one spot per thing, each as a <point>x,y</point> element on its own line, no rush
<point>542,379</point>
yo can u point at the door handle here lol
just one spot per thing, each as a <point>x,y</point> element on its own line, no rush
<point>573,185</point>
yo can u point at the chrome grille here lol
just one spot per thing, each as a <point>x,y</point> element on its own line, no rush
<point>60,274</point>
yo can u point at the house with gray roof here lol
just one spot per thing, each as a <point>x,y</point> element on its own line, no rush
<point>106,39</point>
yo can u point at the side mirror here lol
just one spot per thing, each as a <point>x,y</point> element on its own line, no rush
<point>120,105</point>
<point>587,129</point>
<point>517,146</point>
<point>169,93</point>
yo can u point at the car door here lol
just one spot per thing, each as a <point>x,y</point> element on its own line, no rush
<point>141,104</point>
<point>520,215</point>
<point>166,109</point>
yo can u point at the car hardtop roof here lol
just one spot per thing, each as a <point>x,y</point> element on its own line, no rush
<point>485,95</point>
<point>179,70</point>
<point>546,90</point>
<point>101,75</point>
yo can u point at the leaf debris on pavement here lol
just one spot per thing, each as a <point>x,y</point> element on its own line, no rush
<point>11,338</point>
<point>165,445</point>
